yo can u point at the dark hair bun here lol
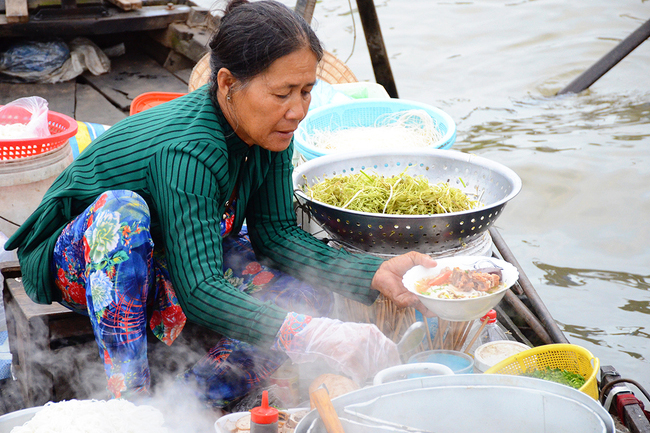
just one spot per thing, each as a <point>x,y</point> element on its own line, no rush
<point>232,5</point>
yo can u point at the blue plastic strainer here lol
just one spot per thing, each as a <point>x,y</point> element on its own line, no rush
<point>365,113</point>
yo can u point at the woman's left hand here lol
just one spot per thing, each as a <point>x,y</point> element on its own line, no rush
<point>388,280</point>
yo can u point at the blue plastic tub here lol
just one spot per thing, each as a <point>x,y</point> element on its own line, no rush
<point>364,113</point>
<point>459,362</point>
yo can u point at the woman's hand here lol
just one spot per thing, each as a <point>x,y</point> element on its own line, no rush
<point>388,280</point>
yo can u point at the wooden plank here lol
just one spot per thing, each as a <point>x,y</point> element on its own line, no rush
<point>31,309</point>
<point>145,19</point>
<point>60,96</point>
<point>93,107</point>
<point>183,74</point>
<point>131,75</point>
<point>16,11</point>
<point>191,42</point>
<point>127,5</point>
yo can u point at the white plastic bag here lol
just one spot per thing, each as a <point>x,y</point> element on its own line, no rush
<point>84,55</point>
<point>37,126</point>
<point>359,350</point>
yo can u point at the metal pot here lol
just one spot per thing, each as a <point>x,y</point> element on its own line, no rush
<point>466,403</point>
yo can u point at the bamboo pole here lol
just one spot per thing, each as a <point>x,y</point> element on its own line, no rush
<point>376,47</point>
<point>536,302</point>
<point>609,60</point>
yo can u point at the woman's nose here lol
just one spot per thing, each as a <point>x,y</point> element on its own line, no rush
<point>298,110</point>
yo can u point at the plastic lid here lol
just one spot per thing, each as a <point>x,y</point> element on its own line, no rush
<point>491,315</point>
<point>264,414</point>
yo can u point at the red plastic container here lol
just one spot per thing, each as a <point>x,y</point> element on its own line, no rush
<point>62,127</point>
<point>151,99</point>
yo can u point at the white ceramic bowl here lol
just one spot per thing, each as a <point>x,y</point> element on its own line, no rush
<point>16,419</point>
<point>489,354</point>
<point>460,310</point>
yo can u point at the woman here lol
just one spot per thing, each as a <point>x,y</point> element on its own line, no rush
<point>143,228</point>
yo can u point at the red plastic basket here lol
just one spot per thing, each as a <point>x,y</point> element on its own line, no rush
<point>147,100</point>
<point>62,127</point>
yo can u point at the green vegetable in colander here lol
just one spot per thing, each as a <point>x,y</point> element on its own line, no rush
<point>397,195</point>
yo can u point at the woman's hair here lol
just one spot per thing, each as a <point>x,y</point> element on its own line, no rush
<point>252,35</point>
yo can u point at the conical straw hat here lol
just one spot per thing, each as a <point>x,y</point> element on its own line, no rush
<point>330,69</point>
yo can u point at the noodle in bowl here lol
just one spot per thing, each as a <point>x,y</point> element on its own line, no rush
<point>469,308</point>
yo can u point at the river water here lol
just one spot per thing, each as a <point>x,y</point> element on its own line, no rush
<point>580,226</point>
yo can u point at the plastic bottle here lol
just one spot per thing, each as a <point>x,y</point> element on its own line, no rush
<point>491,331</point>
<point>264,419</point>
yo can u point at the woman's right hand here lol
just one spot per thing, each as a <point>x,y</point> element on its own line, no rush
<point>358,350</point>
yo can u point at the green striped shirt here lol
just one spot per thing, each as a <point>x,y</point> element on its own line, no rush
<point>184,159</point>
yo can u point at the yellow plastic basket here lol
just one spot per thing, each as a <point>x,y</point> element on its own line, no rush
<point>569,357</point>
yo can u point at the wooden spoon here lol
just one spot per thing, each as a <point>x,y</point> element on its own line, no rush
<point>321,399</point>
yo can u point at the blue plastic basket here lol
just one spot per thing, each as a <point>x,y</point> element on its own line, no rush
<point>364,113</point>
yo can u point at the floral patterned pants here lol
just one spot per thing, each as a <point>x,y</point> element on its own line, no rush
<point>106,267</point>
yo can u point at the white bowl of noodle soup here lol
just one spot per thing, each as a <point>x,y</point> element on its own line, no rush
<point>466,308</point>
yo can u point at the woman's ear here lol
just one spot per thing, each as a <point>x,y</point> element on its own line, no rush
<point>225,81</point>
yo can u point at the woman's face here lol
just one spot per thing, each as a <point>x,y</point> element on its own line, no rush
<point>268,109</point>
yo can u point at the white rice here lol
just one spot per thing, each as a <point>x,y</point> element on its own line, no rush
<point>94,416</point>
<point>13,131</point>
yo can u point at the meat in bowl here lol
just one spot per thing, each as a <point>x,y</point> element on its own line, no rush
<point>457,283</point>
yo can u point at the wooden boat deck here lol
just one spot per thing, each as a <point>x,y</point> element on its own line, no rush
<point>106,99</point>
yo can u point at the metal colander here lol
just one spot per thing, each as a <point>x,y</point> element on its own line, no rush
<point>491,183</point>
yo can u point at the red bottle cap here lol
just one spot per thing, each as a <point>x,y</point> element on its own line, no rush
<point>264,414</point>
<point>491,316</point>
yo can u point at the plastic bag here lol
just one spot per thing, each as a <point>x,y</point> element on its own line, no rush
<point>52,62</point>
<point>359,350</point>
<point>84,55</point>
<point>36,127</point>
<point>324,93</point>
<point>29,61</point>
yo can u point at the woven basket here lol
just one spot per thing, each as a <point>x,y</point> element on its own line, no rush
<point>570,357</point>
<point>330,69</point>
